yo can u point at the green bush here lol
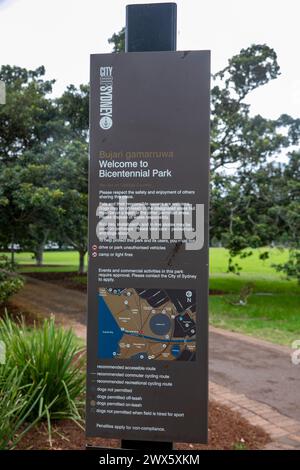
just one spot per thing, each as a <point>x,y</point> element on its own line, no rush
<point>16,404</point>
<point>50,357</point>
<point>10,282</point>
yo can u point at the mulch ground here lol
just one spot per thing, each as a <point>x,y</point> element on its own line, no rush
<point>227,431</point>
<point>68,280</point>
<point>64,279</point>
<point>17,314</point>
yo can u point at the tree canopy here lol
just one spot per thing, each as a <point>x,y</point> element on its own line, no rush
<point>254,190</point>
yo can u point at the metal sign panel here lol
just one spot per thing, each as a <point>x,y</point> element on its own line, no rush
<point>148,246</point>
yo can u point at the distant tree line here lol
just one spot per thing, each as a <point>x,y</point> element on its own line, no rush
<point>44,163</point>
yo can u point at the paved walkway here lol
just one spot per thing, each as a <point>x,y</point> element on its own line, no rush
<point>284,431</point>
<point>249,375</point>
<point>261,370</point>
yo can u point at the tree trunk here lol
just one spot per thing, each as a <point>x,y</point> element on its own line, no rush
<point>12,251</point>
<point>40,248</point>
<point>39,254</point>
<point>81,262</point>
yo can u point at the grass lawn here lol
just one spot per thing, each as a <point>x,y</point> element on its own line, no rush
<point>61,261</point>
<point>273,317</point>
<point>272,311</point>
<point>68,261</point>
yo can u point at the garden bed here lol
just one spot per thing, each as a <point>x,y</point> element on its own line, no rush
<point>227,431</point>
<point>16,314</point>
<point>69,280</point>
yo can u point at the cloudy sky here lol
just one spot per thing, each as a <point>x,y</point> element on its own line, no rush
<point>61,34</point>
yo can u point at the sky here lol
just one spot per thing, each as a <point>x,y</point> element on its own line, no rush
<point>61,34</point>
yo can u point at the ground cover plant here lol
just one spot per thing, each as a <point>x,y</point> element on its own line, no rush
<point>42,378</point>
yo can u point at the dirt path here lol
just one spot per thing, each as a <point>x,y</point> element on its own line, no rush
<point>45,299</point>
<point>260,370</point>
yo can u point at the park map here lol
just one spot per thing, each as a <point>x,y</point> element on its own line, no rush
<point>147,324</point>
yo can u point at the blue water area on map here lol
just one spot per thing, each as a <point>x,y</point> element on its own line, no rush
<point>175,350</point>
<point>109,332</point>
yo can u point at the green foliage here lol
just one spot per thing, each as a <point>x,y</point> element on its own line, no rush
<point>292,267</point>
<point>254,205</point>
<point>241,445</point>
<point>258,209</point>
<point>28,116</point>
<point>28,121</point>
<point>17,399</point>
<point>264,256</point>
<point>72,174</point>
<point>41,378</point>
<point>252,67</point>
<point>118,41</point>
<point>10,282</point>
<point>42,184</point>
<point>73,106</point>
<point>236,137</point>
<point>60,197</point>
<point>51,358</point>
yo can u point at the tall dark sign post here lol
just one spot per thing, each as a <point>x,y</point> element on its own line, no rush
<point>147,373</point>
<point>151,27</point>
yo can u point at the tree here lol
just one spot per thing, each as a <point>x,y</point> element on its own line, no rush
<point>73,106</point>
<point>35,133</point>
<point>244,211</point>
<point>28,121</point>
<point>54,195</point>
<point>118,41</point>
<point>41,198</point>
<point>237,139</point>
<point>287,209</point>
<point>254,209</point>
<point>30,202</point>
<point>241,147</point>
<point>71,170</point>
<point>29,116</point>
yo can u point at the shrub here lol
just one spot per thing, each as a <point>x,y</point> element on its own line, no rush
<point>17,402</point>
<point>50,357</point>
<point>10,282</point>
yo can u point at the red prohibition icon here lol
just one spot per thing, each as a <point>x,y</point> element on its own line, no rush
<point>94,247</point>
